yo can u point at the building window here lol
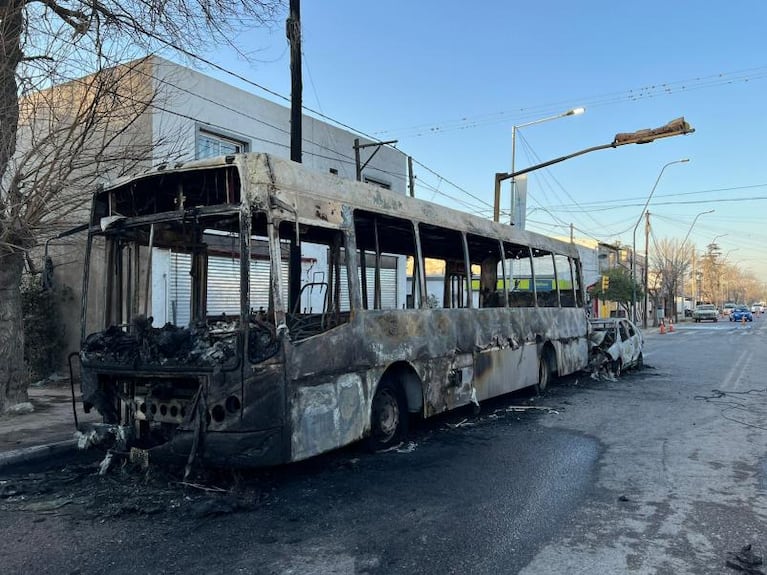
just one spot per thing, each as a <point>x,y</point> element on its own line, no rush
<point>334,171</point>
<point>210,144</point>
<point>379,183</point>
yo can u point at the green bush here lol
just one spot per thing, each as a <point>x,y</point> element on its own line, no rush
<point>44,332</point>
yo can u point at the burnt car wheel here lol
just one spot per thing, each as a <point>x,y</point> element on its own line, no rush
<point>388,417</point>
<point>617,368</point>
<point>640,361</point>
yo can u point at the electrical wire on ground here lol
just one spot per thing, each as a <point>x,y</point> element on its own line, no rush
<point>718,396</point>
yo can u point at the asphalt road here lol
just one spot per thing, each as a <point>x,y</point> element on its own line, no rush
<point>653,473</point>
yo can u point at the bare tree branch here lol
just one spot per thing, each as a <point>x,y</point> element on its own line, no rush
<point>72,116</point>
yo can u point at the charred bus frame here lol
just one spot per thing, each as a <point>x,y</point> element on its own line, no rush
<point>311,353</point>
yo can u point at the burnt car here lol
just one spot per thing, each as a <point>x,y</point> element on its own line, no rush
<point>741,313</point>
<point>616,344</point>
<point>705,312</point>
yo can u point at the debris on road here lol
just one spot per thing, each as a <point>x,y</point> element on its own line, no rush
<point>745,561</point>
<point>407,448</point>
<point>462,423</point>
<point>530,407</point>
<point>401,447</point>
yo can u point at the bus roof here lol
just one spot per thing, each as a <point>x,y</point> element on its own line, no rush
<point>277,183</point>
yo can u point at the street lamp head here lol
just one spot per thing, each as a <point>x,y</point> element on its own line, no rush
<point>575,111</point>
<point>676,127</point>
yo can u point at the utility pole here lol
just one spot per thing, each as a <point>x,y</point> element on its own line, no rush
<point>572,233</point>
<point>411,176</point>
<point>358,162</point>
<point>293,31</point>
<point>646,267</point>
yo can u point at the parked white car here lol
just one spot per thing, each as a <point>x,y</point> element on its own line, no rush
<point>705,312</point>
<point>616,343</point>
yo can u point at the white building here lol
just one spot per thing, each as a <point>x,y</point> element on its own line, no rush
<point>195,116</point>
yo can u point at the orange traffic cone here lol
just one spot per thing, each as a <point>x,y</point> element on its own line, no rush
<point>662,327</point>
<point>671,326</point>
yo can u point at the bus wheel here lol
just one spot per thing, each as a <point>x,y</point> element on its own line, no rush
<point>544,374</point>
<point>388,417</point>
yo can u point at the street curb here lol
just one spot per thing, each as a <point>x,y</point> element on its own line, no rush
<point>36,453</point>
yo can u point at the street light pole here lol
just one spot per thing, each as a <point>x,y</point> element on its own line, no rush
<point>676,127</point>
<point>634,247</point>
<point>713,242</point>
<point>681,253</point>
<point>572,112</point>
<point>692,225</point>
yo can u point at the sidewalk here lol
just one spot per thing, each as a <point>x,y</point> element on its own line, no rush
<point>46,431</point>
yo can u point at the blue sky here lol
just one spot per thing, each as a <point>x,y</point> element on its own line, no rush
<point>449,79</point>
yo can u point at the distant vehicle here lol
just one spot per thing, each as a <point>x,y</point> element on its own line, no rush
<point>728,307</point>
<point>741,313</point>
<point>705,312</point>
<point>757,308</point>
<point>617,342</point>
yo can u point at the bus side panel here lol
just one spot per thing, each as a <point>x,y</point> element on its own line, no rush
<point>328,415</point>
<point>572,355</point>
<point>500,371</point>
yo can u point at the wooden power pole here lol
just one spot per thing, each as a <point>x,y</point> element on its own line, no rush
<point>293,31</point>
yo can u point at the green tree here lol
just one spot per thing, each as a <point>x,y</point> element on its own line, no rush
<point>619,289</point>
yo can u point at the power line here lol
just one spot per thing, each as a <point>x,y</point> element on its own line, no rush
<point>678,203</point>
<point>534,158</point>
<point>674,195</point>
<point>632,94</point>
<point>456,186</point>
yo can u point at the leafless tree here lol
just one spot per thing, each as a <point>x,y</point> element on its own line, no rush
<point>670,262</point>
<point>56,143</point>
<point>711,274</point>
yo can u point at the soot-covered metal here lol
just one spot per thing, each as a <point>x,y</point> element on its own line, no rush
<point>284,376</point>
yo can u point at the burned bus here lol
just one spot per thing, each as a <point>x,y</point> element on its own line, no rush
<point>247,311</point>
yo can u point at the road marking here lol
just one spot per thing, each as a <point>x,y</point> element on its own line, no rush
<point>736,371</point>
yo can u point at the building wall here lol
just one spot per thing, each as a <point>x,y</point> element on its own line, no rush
<point>192,103</point>
<point>187,104</point>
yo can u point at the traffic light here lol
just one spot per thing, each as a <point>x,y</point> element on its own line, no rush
<point>605,283</point>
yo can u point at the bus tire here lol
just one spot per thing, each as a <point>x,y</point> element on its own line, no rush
<point>388,416</point>
<point>544,374</point>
